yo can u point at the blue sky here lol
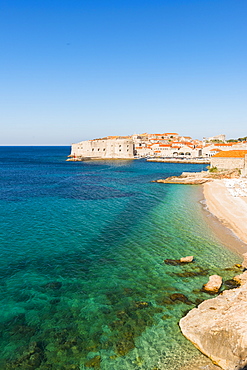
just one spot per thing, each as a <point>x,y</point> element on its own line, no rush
<point>73,70</point>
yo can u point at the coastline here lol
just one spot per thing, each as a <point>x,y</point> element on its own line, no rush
<point>230,211</point>
<point>227,216</point>
<point>176,160</point>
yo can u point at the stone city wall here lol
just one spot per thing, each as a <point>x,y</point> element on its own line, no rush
<point>244,170</point>
<point>227,163</point>
<point>103,148</point>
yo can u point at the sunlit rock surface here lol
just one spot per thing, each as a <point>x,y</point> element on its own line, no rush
<point>218,328</point>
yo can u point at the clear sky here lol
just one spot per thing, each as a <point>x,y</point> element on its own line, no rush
<point>73,70</point>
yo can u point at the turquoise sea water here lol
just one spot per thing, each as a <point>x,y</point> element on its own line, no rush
<point>83,279</point>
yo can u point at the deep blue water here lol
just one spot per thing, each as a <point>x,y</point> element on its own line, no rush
<point>83,282</point>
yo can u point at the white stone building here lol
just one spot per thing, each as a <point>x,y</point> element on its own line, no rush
<point>231,159</point>
<point>211,149</point>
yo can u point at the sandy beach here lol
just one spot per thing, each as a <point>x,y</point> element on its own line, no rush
<point>229,209</point>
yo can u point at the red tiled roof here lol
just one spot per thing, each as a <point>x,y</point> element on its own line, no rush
<point>225,144</point>
<point>231,154</point>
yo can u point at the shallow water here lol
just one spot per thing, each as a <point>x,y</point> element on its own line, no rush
<point>82,271</point>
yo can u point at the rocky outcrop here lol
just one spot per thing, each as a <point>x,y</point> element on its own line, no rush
<point>244,263</point>
<point>198,178</point>
<point>241,279</point>
<point>184,181</point>
<point>188,178</point>
<point>213,285</point>
<point>218,327</point>
<point>181,261</point>
<point>187,259</point>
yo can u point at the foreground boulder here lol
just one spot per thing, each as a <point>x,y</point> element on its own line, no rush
<point>213,285</point>
<point>218,328</point>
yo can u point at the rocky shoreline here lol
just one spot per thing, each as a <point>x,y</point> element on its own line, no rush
<point>217,327</point>
<point>182,160</point>
<point>199,178</point>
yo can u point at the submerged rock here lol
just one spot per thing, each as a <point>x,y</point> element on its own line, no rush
<point>23,331</point>
<point>198,271</point>
<point>213,285</point>
<point>141,304</point>
<point>180,297</point>
<point>232,284</point>
<point>172,262</point>
<point>181,261</point>
<point>94,362</point>
<point>166,317</point>
<point>125,345</point>
<point>30,359</point>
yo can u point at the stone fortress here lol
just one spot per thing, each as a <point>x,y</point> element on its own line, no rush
<point>106,148</point>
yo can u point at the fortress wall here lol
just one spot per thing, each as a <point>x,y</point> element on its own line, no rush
<point>244,170</point>
<point>104,148</point>
<point>227,163</point>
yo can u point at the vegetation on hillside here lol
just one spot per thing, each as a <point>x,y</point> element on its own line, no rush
<point>236,140</point>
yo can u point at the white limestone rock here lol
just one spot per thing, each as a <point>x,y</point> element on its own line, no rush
<point>241,279</point>
<point>213,285</point>
<point>187,259</point>
<point>218,328</point>
<point>244,263</point>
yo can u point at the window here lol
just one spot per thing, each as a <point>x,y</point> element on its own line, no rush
<point>98,149</point>
<point>92,149</point>
<point>104,150</point>
<point>120,150</point>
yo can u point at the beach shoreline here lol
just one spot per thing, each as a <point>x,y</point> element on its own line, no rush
<point>229,210</point>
